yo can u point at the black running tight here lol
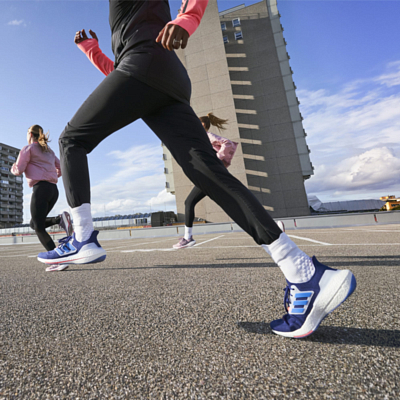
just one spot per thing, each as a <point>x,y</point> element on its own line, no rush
<point>120,100</point>
<point>190,203</point>
<point>44,197</point>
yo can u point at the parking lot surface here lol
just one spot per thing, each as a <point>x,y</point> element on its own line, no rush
<point>151,322</point>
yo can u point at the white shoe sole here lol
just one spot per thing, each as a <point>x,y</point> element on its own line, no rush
<point>67,222</point>
<point>336,287</point>
<point>58,267</point>
<point>184,247</point>
<point>89,254</point>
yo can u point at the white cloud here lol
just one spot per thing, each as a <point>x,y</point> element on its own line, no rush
<point>17,22</point>
<point>137,185</point>
<point>354,136</point>
<point>374,170</point>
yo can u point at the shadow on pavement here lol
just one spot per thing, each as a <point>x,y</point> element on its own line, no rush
<point>194,266</point>
<point>360,261</point>
<point>337,335</point>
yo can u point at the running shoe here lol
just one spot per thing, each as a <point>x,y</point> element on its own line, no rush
<point>184,243</point>
<point>65,223</point>
<point>57,267</point>
<point>281,225</point>
<point>307,304</point>
<point>70,251</point>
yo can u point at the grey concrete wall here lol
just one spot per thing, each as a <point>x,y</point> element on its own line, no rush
<point>291,224</point>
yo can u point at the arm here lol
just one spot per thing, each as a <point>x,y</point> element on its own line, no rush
<point>58,166</point>
<point>176,33</point>
<point>225,148</point>
<point>23,159</point>
<point>92,50</point>
<point>190,15</point>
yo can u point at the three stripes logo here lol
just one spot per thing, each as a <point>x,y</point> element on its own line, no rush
<point>65,249</point>
<point>299,301</point>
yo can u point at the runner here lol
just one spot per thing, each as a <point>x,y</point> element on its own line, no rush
<point>42,169</point>
<point>148,81</point>
<point>225,149</point>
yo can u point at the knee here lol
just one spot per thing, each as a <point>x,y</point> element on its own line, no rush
<point>37,226</point>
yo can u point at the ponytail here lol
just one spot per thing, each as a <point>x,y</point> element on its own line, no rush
<point>211,119</point>
<point>39,136</point>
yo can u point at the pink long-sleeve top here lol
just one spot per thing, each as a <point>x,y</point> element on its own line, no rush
<point>189,18</point>
<point>38,165</point>
<point>224,147</point>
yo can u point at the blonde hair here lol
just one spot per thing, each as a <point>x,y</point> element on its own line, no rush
<point>39,136</point>
<point>211,119</point>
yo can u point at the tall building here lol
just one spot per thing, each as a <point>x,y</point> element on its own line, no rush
<point>239,68</point>
<point>11,204</point>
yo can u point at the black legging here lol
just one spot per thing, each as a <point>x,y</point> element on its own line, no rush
<point>190,203</point>
<point>44,196</point>
<point>121,99</point>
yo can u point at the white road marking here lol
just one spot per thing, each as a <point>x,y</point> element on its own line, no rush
<point>138,244</point>
<point>199,244</point>
<point>169,249</point>
<point>310,240</point>
<point>146,250</point>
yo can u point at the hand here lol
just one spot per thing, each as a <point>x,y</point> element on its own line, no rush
<point>173,37</point>
<point>80,36</point>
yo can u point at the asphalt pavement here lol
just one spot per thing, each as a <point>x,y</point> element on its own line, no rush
<point>151,322</point>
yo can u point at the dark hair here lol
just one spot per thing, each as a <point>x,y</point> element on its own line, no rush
<point>39,136</point>
<point>211,119</point>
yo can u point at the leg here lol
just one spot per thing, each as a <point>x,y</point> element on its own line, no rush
<point>190,203</point>
<point>181,131</point>
<point>118,101</point>
<point>44,197</point>
<point>317,290</point>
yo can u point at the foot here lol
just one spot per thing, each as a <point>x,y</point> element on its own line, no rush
<point>184,243</point>
<point>70,251</point>
<point>65,223</point>
<point>281,225</point>
<point>308,303</point>
<point>57,267</point>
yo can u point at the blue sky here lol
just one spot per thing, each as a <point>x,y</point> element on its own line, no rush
<point>346,61</point>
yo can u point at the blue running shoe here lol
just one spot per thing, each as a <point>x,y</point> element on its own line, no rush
<point>70,251</point>
<point>307,304</point>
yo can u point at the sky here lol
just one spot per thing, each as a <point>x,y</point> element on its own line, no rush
<point>345,56</point>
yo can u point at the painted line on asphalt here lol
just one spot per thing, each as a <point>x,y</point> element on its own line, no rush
<point>145,250</point>
<point>169,249</point>
<point>310,240</point>
<point>139,244</point>
<point>206,241</point>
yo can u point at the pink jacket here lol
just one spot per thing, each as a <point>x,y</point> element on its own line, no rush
<point>37,165</point>
<point>224,147</point>
<point>188,18</point>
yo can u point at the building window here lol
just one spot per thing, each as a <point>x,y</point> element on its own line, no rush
<point>236,22</point>
<point>11,158</point>
<point>226,39</point>
<point>167,185</point>
<point>238,35</point>
<point>18,179</point>
<point>164,156</point>
<point>4,182</point>
<point>165,170</point>
<point>223,26</point>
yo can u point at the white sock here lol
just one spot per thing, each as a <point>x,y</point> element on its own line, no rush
<point>296,265</point>
<point>188,232</point>
<point>83,222</point>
